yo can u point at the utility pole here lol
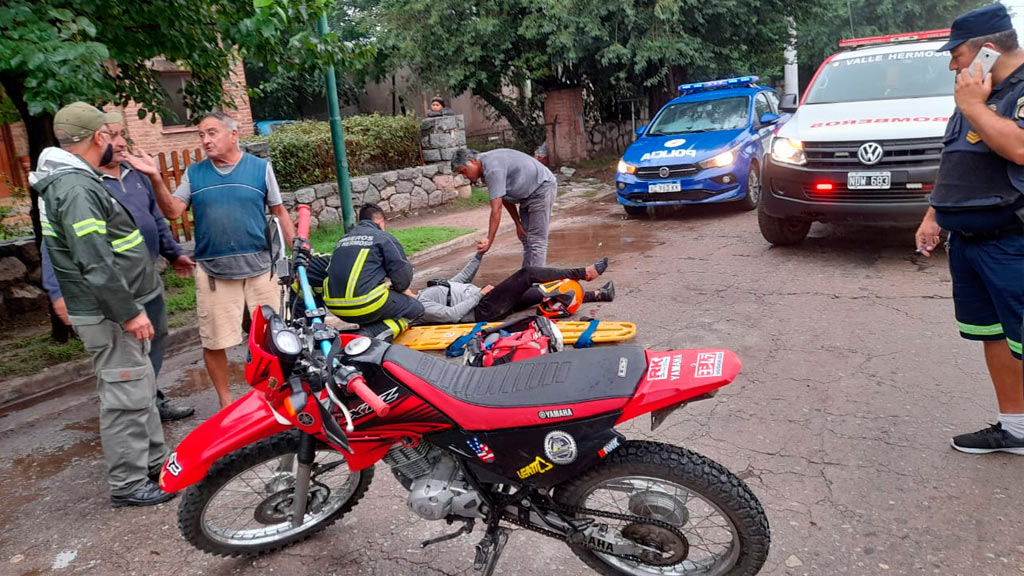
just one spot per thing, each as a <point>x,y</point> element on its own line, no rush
<point>338,138</point>
<point>790,70</point>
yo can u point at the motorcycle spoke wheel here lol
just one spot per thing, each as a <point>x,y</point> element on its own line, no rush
<point>242,507</point>
<point>710,535</point>
<point>723,524</point>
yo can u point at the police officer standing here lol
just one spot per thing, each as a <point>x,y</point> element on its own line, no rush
<point>979,199</point>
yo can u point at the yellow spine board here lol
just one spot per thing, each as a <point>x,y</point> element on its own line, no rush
<point>440,337</point>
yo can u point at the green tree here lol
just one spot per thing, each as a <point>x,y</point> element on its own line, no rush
<point>58,51</point>
<point>818,37</point>
<point>612,48</point>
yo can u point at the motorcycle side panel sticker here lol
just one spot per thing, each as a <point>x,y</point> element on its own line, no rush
<point>482,451</point>
<point>665,367</point>
<point>560,447</point>
<point>549,414</point>
<point>609,447</point>
<point>172,464</point>
<point>708,365</point>
<point>538,466</point>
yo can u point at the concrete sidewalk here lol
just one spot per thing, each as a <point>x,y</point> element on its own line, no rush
<point>573,194</point>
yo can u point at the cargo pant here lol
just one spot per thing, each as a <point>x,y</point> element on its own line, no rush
<point>130,431</point>
<point>535,214</point>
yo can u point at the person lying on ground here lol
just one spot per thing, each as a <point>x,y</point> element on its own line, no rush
<point>458,300</point>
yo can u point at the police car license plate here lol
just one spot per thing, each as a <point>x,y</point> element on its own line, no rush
<point>868,180</point>
<point>664,187</point>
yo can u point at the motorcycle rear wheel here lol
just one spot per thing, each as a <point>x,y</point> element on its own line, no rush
<point>724,525</point>
<point>240,508</point>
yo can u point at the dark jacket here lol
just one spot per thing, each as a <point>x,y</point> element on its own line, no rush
<point>93,244</point>
<point>362,259</point>
<point>135,193</point>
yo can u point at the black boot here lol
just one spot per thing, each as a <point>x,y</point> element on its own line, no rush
<point>604,294</point>
<point>601,265</point>
<point>146,494</point>
<point>170,413</point>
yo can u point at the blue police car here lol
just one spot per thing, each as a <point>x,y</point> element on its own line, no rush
<point>707,145</point>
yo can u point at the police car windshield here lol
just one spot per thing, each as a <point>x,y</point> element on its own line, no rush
<point>896,75</point>
<point>704,116</point>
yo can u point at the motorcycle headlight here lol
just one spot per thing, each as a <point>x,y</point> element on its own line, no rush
<point>724,159</point>
<point>625,168</point>
<point>287,343</point>
<point>788,151</point>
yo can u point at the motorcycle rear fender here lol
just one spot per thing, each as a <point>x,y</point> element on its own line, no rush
<point>246,421</point>
<point>680,376</point>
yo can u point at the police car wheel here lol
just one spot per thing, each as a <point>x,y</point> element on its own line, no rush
<point>753,196</point>
<point>635,210</point>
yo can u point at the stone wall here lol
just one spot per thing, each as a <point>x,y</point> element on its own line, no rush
<point>442,136</point>
<point>609,138</point>
<point>396,192</point>
<point>20,278</point>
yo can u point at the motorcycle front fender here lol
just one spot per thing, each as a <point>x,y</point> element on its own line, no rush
<point>248,420</point>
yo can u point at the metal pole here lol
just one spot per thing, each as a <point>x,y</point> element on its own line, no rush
<point>338,139</point>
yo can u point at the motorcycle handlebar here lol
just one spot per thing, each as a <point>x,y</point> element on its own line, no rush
<point>357,385</point>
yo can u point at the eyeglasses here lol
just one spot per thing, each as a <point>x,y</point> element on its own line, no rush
<point>114,134</point>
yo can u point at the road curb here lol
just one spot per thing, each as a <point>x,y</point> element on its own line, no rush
<point>77,372</point>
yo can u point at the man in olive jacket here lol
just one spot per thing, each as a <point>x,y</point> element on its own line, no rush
<point>107,277</point>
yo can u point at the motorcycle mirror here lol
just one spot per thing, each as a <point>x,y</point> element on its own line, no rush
<point>275,241</point>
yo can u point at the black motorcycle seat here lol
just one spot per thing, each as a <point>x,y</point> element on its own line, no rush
<point>566,377</point>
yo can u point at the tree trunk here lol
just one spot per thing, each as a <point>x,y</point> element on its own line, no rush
<point>658,96</point>
<point>525,132</point>
<point>40,136</point>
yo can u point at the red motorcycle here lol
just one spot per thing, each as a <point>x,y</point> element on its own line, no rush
<point>529,443</point>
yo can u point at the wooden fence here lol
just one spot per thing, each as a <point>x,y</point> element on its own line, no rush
<point>172,168</point>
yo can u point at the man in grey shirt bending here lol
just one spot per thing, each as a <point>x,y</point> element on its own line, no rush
<point>524,186</point>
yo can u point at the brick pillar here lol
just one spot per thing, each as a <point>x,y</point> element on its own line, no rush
<point>563,114</point>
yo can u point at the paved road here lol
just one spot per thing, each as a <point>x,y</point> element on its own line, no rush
<point>853,381</point>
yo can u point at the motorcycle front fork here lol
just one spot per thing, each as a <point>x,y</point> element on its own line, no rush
<point>306,454</point>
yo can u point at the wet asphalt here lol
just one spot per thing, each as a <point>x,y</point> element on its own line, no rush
<point>854,379</point>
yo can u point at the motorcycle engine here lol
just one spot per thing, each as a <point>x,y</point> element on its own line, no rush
<point>437,488</point>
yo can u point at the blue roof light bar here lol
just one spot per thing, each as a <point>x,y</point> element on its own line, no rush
<point>726,83</point>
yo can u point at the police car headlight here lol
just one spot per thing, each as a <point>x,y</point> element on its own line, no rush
<point>788,151</point>
<point>724,159</point>
<point>625,168</point>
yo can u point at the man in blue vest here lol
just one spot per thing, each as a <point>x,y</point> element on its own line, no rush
<point>228,193</point>
<point>979,199</point>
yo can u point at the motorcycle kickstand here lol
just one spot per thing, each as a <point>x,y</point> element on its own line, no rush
<point>489,550</point>
<point>306,455</point>
<point>465,529</point>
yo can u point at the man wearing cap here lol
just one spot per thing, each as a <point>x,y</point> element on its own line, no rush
<point>107,278</point>
<point>134,191</point>
<point>979,200</point>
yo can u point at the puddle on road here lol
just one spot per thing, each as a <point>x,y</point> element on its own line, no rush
<point>196,380</point>
<point>577,244</point>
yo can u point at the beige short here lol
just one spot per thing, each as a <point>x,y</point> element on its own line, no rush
<point>221,309</point>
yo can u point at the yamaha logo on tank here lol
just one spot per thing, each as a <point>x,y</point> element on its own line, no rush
<point>870,153</point>
<point>560,447</point>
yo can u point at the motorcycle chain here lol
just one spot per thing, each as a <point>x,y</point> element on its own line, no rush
<point>571,510</point>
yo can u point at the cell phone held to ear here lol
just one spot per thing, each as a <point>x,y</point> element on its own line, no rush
<point>987,58</point>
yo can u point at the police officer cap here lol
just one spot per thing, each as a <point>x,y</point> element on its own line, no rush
<point>981,22</point>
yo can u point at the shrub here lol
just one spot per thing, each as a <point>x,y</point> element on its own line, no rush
<point>302,152</point>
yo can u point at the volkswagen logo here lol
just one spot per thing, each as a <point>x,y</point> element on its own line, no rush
<point>870,153</point>
<point>663,171</point>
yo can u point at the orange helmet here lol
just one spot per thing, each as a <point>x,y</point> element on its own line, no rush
<point>562,298</point>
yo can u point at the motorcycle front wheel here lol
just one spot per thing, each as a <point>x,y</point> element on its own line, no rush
<point>724,529</point>
<point>242,506</point>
